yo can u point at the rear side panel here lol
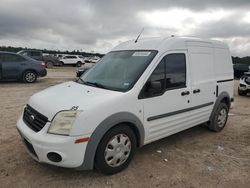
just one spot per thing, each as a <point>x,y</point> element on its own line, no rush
<point>223,69</point>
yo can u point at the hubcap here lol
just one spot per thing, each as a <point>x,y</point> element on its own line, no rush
<point>222,117</point>
<point>117,150</point>
<point>30,77</point>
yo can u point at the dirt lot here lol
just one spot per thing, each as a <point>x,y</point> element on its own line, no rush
<point>193,158</point>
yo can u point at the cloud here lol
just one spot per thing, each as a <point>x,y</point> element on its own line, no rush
<point>100,25</point>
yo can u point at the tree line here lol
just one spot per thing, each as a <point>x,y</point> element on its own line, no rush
<point>75,52</point>
<point>241,60</point>
<point>236,60</point>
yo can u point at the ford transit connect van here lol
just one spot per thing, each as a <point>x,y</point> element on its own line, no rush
<point>139,92</point>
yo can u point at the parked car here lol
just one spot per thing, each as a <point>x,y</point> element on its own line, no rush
<point>58,55</point>
<point>82,70</point>
<point>49,60</point>
<point>138,93</point>
<point>240,69</point>
<point>93,59</point>
<point>244,85</point>
<point>18,67</point>
<point>72,60</point>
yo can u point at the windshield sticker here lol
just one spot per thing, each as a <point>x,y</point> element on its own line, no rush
<point>126,84</point>
<point>141,54</point>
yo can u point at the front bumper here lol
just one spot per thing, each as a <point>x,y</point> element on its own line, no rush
<point>43,143</point>
<point>245,88</point>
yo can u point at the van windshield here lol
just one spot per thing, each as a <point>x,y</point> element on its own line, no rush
<point>119,70</point>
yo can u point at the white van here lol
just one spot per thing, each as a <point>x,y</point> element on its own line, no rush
<point>138,93</point>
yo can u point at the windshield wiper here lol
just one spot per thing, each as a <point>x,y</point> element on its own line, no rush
<point>94,84</point>
<point>81,80</point>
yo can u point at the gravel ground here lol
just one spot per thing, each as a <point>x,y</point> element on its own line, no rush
<point>193,158</point>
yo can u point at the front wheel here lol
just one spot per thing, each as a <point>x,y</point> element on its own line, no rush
<point>219,119</point>
<point>29,77</point>
<point>115,150</point>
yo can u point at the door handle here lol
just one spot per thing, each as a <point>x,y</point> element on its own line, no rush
<point>23,64</point>
<point>196,91</point>
<point>185,93</point>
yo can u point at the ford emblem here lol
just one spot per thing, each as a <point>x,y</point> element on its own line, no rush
<point>32,117</point>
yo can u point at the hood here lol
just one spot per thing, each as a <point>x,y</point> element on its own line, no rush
<point>67,95</point>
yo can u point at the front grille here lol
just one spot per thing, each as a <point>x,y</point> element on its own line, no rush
<point>33,119</point>
<point>30,148</point>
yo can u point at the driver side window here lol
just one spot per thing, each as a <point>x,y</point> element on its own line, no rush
<point>156,82</point>
<point>169,74</point>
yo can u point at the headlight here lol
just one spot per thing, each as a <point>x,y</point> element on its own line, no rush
<point>63,122</point>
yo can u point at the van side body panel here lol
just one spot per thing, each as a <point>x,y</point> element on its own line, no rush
<point>223,71</point>
<point>203,81</point>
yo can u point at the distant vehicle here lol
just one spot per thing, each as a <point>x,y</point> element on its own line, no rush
<point>244,86</point>
<point>140,92</point>
<point>72,60</point>
<point>49,60</point>
<point>94,59</point>
<point>82,70</point>
<point>19,67</point>
<point>58,55</point>
<point>240,69</point>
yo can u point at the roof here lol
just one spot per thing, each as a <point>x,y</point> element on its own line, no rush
<point>6,52</point>
<point>166,43</point>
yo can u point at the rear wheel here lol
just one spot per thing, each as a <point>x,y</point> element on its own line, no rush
<point>29,77</point>
<point>115,150</point>
<point>60,63</point>
<point>219,119</point>
<point>49,64</point>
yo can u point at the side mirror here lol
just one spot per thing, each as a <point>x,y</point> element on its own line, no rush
<point>155,87</point>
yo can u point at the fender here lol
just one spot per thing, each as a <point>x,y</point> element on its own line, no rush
<point>222,96</point>
<point>102,128</point>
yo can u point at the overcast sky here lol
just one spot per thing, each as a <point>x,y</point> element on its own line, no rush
<point>99,25</point>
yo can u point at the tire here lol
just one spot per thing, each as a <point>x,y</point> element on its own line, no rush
<point>79,64</point>
<point>61,63</point>
<point>219,119</point>
<point>123,152</point>
<point>242,93</point>
<point>29,77</point>
<point>49,64</point>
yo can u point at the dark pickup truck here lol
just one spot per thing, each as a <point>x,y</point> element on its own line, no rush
<point>240,69</point>
<point>49,61</point>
